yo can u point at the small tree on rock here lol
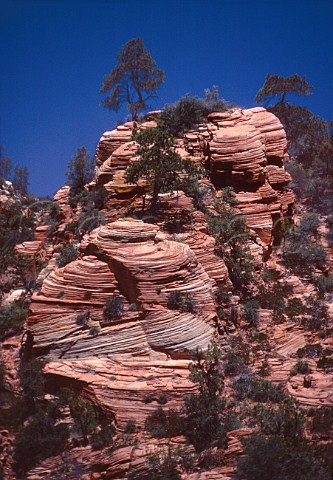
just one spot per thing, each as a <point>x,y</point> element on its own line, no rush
<point>204,424</point>
<point>21,179</point>
<point>134,80</point>
<point>159,164</point>
<point>80,171</point>
<point>276,85</point>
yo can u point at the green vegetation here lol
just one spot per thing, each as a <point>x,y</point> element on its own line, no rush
<point>257,389</point>
<point>12,318</point>
<point>134,80</point>
<point>234,364</point>
<point>188,112</point>
<point>310,141</point>
<point>321,420</point>
<point>15,227</point>
<point>40,438</point>
<point>231,235</point>
<point>80,171</point>
<point>302,366</point>
<point>280,451</point>
<point>67,254</point>
<point>19,176</point>
<point>300,253</point>
<point>203,411</point>
<point>164,423</point>
<point>181,301</point>
<point>114,308</point>
<point>159,164</point>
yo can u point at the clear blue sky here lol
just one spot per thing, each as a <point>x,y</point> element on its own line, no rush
<point>54,54</point>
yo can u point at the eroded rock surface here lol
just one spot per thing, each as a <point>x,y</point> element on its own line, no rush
<point>126,259</point>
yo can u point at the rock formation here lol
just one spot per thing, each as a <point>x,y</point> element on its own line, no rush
<point>244,149</point>
<point>120,323</point>
<point>125,359</point>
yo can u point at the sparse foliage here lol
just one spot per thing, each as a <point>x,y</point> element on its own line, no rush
<point>159,164</point>
<point>204,411</point>
<point>80,171</point>
<point>134,80</point>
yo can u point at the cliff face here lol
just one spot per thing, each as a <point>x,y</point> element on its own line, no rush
<point>146,350</point>
<point>245,149</point>
<point>163,280</point>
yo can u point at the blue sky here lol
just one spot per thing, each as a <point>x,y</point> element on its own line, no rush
<point>54,54</point>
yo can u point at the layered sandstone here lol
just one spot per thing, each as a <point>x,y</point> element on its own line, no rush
<point>245,149</point>
<point>145,351</point>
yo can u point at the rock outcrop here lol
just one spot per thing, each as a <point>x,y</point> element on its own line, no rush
<point>245,149</point>
<point>147,348</point>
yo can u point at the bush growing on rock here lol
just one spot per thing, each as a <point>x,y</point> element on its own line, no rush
<point>280,451</point>
<point>203,411</point>
<point>302,366</point>
<point>159,164</point>
<point>12,318</point>
<point>234,364</point>
<point>274,458</point>
<point>321,419</point>
<point>181,301</point>
<point>324,284</point>
<point>257,389</point>
<point>80,171</point>
<point>41,437</point>
<point>164,423</point>
<point>114,308</point>
<point>188,112</point>
<point>300,254</point>
<point>67,254</point>
<point>82,412</point>
<point>231,235</point>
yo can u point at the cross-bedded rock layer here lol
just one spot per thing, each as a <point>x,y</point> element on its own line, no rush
<point>144,350</point>
<point>244,149</point>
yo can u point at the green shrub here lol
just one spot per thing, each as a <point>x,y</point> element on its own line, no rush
<point>162,399</point>
<point>12,318</point>
<point>102,438</point>
<point>83,414</point>
<point>40,438</point>
<point>187,114</point>
<point>300,254</point>
<point>114,308</point>
<point>325,363</point>
<point>273,297</point>
<point>251,313</point>
<point>203,411</point>
<point>164,423</point>
<point>234,364</point>
<point>287,420</point>
<point>309,224</point>
<point>80,171</point>
<point>181,301</point>
<point>257,389</point>
<point>321,419</point>
<point>90,219</point>
<point>310,350</point>
<point>82,319</point>
<point>274,458</point>
<point>318,316</point>
<point>324,284</point>
<point>130,426</point>
<point>163,466</point>
<point>301,366</point>
<point>66,255</point>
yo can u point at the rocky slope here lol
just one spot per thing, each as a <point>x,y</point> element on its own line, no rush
<point>133,360</point>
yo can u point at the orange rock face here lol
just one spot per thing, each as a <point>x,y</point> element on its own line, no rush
<point>145,350</point>
<point>245,149</point>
